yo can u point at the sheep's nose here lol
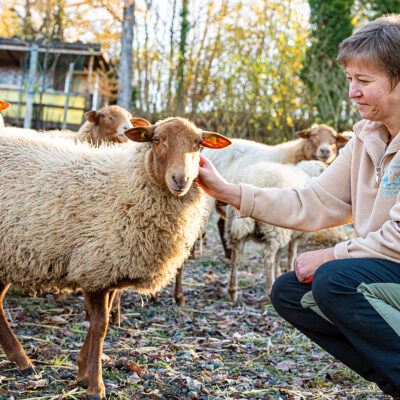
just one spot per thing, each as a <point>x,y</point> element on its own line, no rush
<point>179,182</point>
<point>325,152</point>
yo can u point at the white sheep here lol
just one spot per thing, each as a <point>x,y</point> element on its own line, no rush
<point>273,238</point>
<point>75,216</point>
<point>320,142</point>
<point>317,143</point>
<point>3,106</point>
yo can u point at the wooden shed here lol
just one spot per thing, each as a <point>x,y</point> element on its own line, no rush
<point>50,85</point>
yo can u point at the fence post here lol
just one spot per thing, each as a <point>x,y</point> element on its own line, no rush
<point>31,85</point>
<point>67,87</point>
<point>95,99</point>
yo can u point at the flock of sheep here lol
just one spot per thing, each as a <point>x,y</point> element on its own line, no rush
<point>77,212</point>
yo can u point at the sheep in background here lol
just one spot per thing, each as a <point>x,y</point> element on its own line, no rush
<point>274,239</point>
<point>3,106</point>
<point>102,126</point>
<point>317,143</point>
<point>107,124</point>
<point>100,219</point>
<point>321,142</point>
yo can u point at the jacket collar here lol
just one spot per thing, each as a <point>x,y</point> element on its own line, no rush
<point>375,136</point>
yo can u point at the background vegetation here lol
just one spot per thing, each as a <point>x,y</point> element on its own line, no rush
<point>260,69</point>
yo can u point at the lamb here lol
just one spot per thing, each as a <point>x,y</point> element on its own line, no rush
<point>274,239</point>
<point>100,219</point>
<point>3,106</point>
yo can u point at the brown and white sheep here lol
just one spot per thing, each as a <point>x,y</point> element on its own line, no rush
<point>107,125</point>
<point>100,219</point>
<point>320,142</point>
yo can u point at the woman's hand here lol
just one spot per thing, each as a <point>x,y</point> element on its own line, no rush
<point>215,185</point>
<point>307,263</point>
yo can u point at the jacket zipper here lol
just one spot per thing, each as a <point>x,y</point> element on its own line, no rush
<point>377,175</point>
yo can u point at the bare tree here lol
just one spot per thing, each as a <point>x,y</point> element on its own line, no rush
<point>125,62</point>
<point>182,58</point>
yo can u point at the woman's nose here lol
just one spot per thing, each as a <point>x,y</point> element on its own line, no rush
<point>354,91</point>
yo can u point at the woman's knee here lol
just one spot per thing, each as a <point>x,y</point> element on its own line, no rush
<point>286,293</point>
<point>331,281</point>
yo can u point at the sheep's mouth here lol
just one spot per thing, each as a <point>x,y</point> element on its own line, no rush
<point>179,187</point>
<point>179,191</point>
<point>325,158</point>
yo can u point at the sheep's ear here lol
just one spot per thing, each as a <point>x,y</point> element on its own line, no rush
<point>214,140</point>
<point>140,122</point>
<point>304,134</point>
<point>342,139</point>
<point>91,116</point>
<point>140,133</point>
<point>4,105</point>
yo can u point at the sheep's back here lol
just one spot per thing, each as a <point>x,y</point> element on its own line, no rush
<point>71,216</point>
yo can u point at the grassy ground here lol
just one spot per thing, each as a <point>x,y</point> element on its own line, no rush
<point>208,349</point>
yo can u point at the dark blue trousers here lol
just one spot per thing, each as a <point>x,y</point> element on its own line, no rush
<point>352,310</point>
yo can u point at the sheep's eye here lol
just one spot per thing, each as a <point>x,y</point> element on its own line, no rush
<point>156,139</point>
<point>102,115</point>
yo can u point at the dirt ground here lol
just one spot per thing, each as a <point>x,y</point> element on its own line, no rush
<point>207,349</point>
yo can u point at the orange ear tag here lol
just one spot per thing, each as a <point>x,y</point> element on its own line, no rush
<point>214,142</point>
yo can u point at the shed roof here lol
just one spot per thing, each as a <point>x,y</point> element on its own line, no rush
<point>12,50</point>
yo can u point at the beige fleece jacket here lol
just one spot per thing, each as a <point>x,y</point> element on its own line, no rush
<point>362,185</point>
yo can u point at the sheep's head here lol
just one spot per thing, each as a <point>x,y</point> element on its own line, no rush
<point>323,142</point>
<point>111,122</point>
<point>175,153</point>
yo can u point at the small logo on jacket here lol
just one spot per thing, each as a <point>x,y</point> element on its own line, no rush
<point>390,185</point>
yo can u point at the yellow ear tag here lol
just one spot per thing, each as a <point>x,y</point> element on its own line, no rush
<point>213,139</point>
<point>143,134</point>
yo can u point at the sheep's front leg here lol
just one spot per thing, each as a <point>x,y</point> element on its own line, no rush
<point>278,270</point>
<point>237,249</point>
<point>292,253</point>
<point>10,344</point>
<point>269,254</point>
<point>221,230</point>
<point>116,308</point>
<point>178,292</point>
<point>98,305</point>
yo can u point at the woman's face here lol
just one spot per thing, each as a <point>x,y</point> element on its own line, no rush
<point>370,88</point>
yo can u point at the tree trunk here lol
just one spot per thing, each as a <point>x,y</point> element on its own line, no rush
<point>125,62</point>
<point>182,59</point>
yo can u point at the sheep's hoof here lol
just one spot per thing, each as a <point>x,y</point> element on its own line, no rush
<point>28,371</point>
<point>180,301</point>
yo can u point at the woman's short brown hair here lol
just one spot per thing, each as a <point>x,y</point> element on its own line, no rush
<point>378,42</point>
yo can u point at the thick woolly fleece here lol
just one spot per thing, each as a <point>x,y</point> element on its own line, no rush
<point>76,216</point>
<point>265,175</point>
<point>241,153</point>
